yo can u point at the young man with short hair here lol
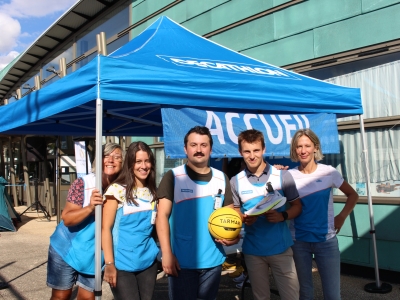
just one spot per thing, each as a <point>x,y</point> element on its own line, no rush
<point>190,256</point>
<point>267,242</point>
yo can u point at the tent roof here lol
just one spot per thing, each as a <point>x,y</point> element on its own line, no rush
<point>167,65</point>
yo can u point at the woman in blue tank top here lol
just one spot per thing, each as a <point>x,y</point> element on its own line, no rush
<point>128,216</point>
<point>71,251</point>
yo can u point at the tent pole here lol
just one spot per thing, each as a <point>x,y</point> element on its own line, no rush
<point>102,50</point>
<point>57,181</point>
<point>98,209</point>
<point>377,286</point>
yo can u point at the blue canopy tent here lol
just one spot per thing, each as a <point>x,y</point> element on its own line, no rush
<point>167,66</point>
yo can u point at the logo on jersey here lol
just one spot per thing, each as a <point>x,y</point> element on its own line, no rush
<point>186,191</point>
<point>247,192</point>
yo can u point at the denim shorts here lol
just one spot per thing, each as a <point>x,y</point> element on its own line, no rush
<point>61,276</point>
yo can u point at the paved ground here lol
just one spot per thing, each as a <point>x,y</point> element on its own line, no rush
<point>23,262</point>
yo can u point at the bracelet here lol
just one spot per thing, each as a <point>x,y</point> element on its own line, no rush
<point>109,263</point>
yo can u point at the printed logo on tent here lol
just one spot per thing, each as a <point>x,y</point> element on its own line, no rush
<point>231,67</point>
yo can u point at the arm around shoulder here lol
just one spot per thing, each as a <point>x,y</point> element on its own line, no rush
<point>73,212</point>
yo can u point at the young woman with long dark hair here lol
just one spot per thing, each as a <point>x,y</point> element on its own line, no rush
<point>128,217</point>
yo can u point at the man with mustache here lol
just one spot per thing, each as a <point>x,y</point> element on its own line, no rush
<point>187,196</point>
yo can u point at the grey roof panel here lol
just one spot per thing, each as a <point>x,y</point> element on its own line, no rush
<point>71,21</point>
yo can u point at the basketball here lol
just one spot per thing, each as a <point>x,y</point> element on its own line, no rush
<point>225,223</point>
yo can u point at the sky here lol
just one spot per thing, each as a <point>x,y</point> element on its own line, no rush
<point>23,21</point>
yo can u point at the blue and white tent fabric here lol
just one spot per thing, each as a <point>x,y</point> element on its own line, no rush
<point>167,66</point>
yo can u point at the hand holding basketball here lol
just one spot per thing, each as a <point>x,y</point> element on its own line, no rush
<point>225,224</point>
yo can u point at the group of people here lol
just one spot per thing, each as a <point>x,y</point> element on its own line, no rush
<point>180,207</point>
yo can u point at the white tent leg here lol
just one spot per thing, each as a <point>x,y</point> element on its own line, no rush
<point>377,286</point>
<point>102,49</point>
<point>98,209</point>
<point>57,178</point>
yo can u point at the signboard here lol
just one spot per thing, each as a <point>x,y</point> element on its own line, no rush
<point>225,127</point>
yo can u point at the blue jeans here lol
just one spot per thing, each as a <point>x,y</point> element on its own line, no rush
<point>192,284</point>
<point>327,257</point>
<point>61,276</point>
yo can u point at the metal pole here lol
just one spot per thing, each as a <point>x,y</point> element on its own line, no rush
<point>19,93</point>
<point>86,157</point>
<point>12,173</point>
<point>375,287</point>
<point>99,169</point>
<point>46,182</point>
<point>19,188</point>
<point>56,191</point>
<point>2,165</point>
<point>63,67</point>
<point>38,86</point>
<point>26,174</point>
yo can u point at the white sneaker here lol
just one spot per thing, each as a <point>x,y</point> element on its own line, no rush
<point>239,278</point>
<point>240,285</point>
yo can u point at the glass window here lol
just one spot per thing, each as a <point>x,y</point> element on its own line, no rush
<point>52,80</point>
<point>379,89</point>
<point>67,169</point>
<point>117,44</point>
<point>28,85</point>
<point>354,66</point>
<point>111,27</point>
<point>55,63</point>
<point>84,61</point>
<point>164,164</point>
<point>383,147</point>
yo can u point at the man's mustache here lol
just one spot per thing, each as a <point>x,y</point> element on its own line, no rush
<point>198,153</point>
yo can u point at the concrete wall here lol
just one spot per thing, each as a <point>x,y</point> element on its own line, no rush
<point>303,31</point>
<point>355,241</point>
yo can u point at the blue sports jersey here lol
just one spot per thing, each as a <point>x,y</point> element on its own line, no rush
<point>262,238</point>
<point>316,222</point>
<point>75,244</point>
<point>134,247</point>
<point>191,242</point>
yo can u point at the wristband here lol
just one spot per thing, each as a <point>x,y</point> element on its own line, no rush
<point>284,215</point>
<point>109,263</point>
